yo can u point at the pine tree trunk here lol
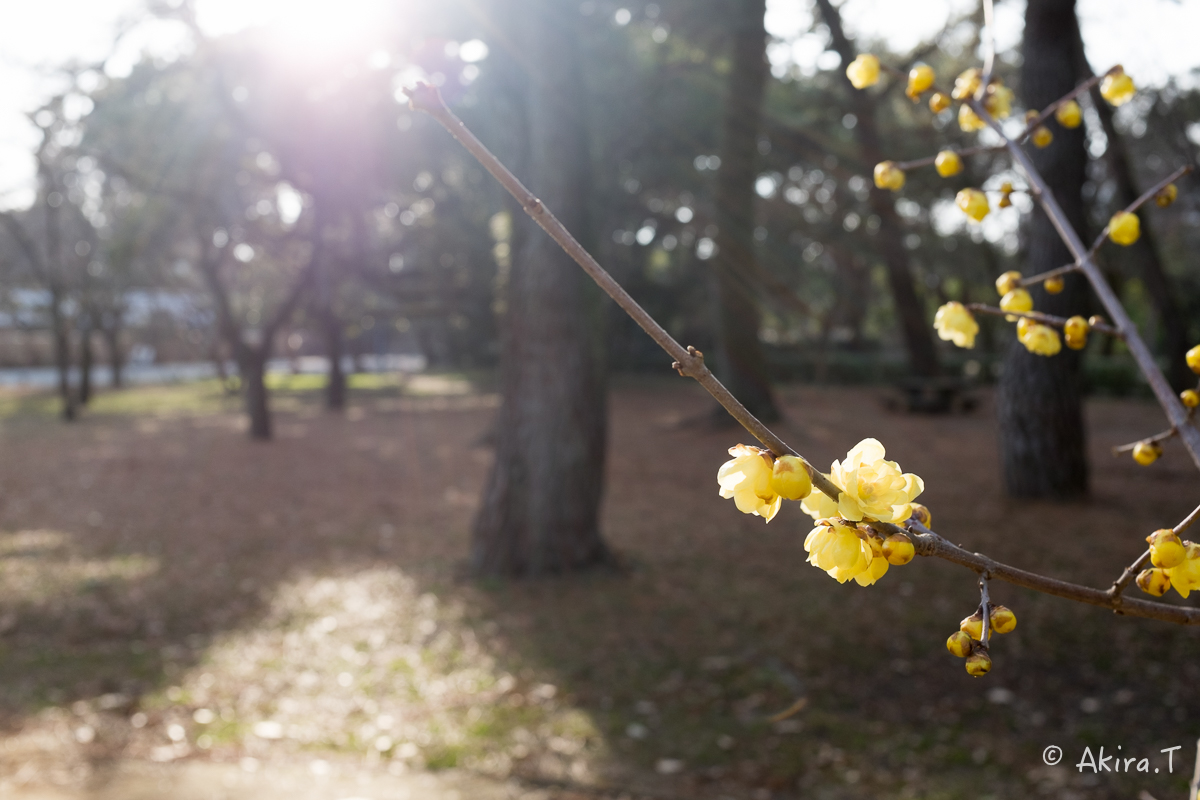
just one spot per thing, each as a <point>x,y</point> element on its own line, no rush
<point>915,328</point>
<point>116,358</point>
<point>1039,400</point>
<point>86,357</point>
<point>541,502</point>
<point>741,362</point>
<point>253,367</point>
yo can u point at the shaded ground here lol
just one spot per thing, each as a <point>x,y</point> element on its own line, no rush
<point>180,598</point>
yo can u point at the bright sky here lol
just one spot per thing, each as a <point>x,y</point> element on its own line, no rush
<point>1154,39</point>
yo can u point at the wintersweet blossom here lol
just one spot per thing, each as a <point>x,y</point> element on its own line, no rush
<point>954,323</point>
<point>1041,340</point>
<point>1186,576</point>
<point>747,479</point>
<point>863,71</point>
<point>844,552</point>
<point>873,488</point>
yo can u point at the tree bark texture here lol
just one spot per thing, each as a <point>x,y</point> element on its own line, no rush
<point>62,353</point>
<point>1039,400</point>
<point>741,362</point>
<point>540,505</point>
<point>910,311</point>
<point>253,367</point>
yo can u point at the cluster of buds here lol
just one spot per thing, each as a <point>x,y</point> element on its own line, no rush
<point>968,642</point>
<point>1176,563</point>
<point>1147,451</point>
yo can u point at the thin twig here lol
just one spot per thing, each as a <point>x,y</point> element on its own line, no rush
<point>1187,521</point>
<point>1049,110</point>
<point>1034,280</point>
<point>690,362</point>
<point>929,160</point>
<point>985,606</point>
<point>1045,319</point>
<point>1155,439</point>
<point>1141,201</point>
<point>1128,575</point>
<point>1176,413</point>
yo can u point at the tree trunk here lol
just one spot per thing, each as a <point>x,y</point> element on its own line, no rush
<point>741,362</point>
<point>1144,251</point>
<point>914,326</point>
<point>86,357</point>
<point>1039,403</point>
<point>62,354</point>
<point>335,390</point>
<point>541,502</point>
<point>253,366</point>
<point>116,357</point>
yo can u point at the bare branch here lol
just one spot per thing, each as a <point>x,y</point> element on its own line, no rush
<point>1045,319</point>
<point>1141,201</point>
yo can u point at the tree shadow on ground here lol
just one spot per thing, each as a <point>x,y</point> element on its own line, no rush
<point>170,590</point>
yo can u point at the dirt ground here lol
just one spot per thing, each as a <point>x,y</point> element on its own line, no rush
<point>181,607</point>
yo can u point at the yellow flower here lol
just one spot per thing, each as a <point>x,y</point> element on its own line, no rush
<point>1054,285</point>
<point>1154,581</point>
<point>1075,331</point>
<point>1007,282</point>
<point>790,479</point>
<point>1193,359</point>
<point>1166,550</point>
<point>819,505</point>
<point>747,479</point>
<point>954,323</point>
<point>1190,398</point>
<point>1124,228</point>
<point>1146,453</point>
<point>967,83</point>
<point>898,549</point>
<point>1166,195</point>
<point>887,176</point>
<point>1042,340</point>
<point>1186,576</point>
<point>1023,326</point>
<point>838,549</point>
<point>948,163</point>
<point>998,100</point>
<point>973,203</point>
<point>1001,619</point>
<point>968,120</point>
<point>939,102</point>
<point>873,488</point>
<point>863,71</point>
<point>920,78</point>
<point>979,664</point>
<point>1117,88</point>
<point>1019,301</point>
<point>1069,115</point>
<point>959,644</point>
<point>972,626</point>
<point>1042,137</point>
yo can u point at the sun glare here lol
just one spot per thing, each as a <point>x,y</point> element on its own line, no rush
<point>300,27</point>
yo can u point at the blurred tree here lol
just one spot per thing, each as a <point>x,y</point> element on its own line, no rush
<point>1039,401</point>
<point>541,501</point>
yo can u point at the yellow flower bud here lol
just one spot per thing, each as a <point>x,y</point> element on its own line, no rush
<point>863,71</point>
<point>1069,115</point>
<point>898,549</point>
<point>1124,228</point>
<point>790,479</point>
<point>972,626</point>
<point>1193,359</point>
<point>959,644</point>
<point>1166,195</point>
<point>1075,342</point>
<point>1018,301</point>
<point>998,100</point>
<point>948,163</point>
<point>1190,398</point>
<point>954,323</point>
<point>1076,326</point>
<point>1002,619</point>
<point>1146,453</point>
<point>939,102</point>
<point>1007,282</point>
<point>979,664</point>
<point>922,514</point>
<point>1041,340</point>
<point>887,176</point>
<point>967,83</point>
<point>1023,326</point>
<point>973,203</point>
<point>1154,581</point>
<point>1042,137</point>
<point>968,120</point>
<point>1166,550</point>
<point>1053,285</point>
<point>920,78</point>
<point>1117,88</point>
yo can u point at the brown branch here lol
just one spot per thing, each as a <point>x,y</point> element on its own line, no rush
<point>1176,414</point>
<point>1128,575</point>
<point>1034,280</point>
<point>1141,201</point>
<point>929,160</point>
<point>1170,433</point>
<point>1045,319</point>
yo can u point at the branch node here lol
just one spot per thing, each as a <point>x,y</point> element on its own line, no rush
<point>424,97</point>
